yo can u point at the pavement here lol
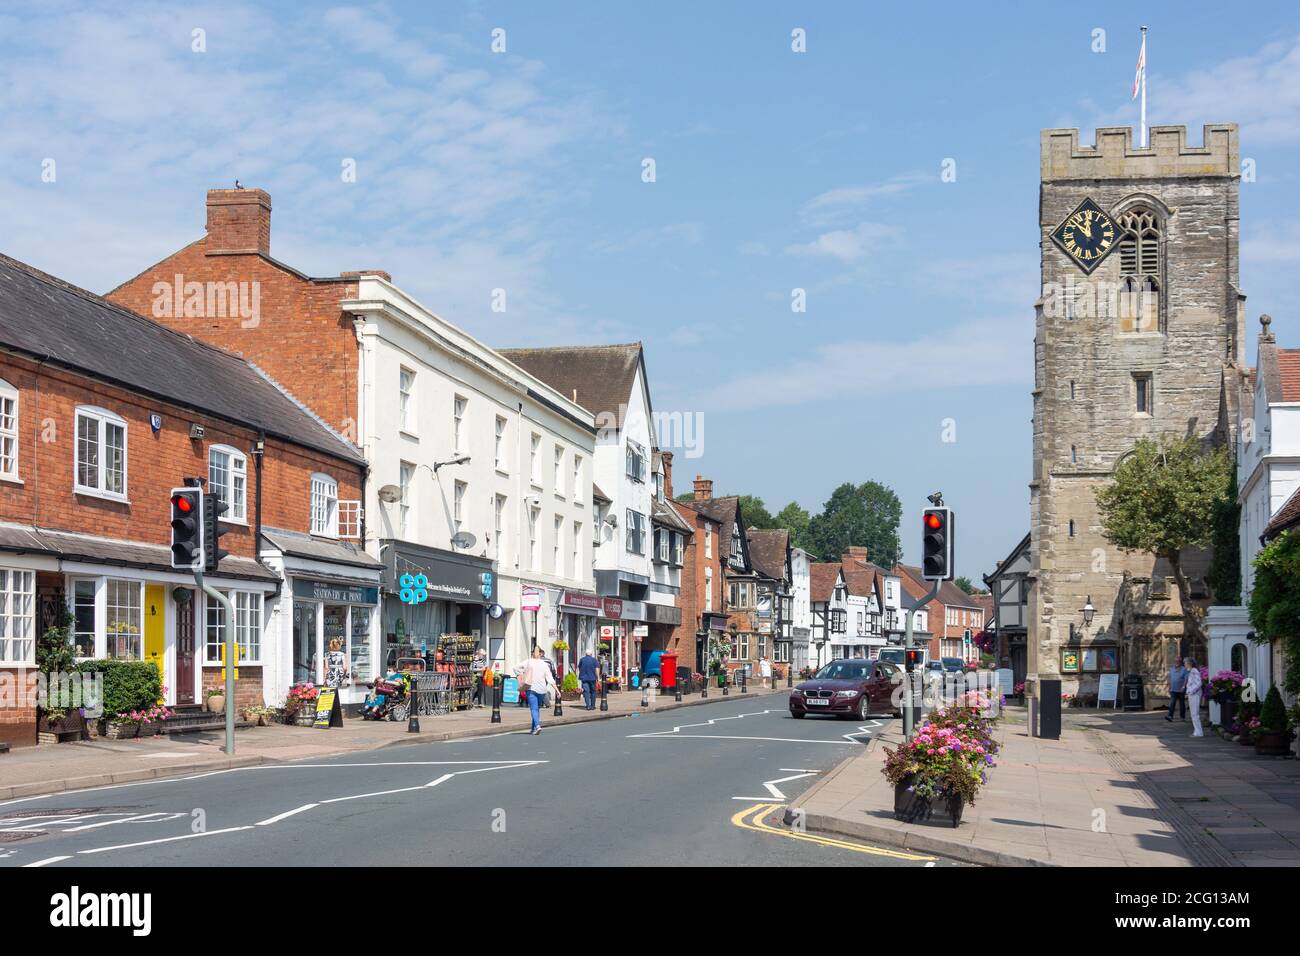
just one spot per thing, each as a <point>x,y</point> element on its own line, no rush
<point>1118,789</point>
<point>702,785</point>
<point>53,768</point>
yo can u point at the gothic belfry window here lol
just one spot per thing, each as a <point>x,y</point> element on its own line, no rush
<point>1139,266</point>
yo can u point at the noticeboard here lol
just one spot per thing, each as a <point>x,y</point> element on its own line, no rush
<point>328,711</point>
<point>1108,689</point>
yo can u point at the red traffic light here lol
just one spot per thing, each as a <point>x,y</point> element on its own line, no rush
<point>182,503</point>
<point>933,521</point>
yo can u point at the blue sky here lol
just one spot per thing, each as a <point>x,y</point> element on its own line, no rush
<point>775,170</point>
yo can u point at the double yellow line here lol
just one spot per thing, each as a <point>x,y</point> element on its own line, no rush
<point>752,819</point>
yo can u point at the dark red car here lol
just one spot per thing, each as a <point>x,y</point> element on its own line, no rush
<point>854,688</point>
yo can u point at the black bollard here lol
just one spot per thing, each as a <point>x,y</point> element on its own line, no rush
<point>744,680</point>
<point>559,708</point>
<point>645,694</point>
<point>604,694</point>
<point>413,718</point>
<point>498,689</point>
<point>726,681</point>
<point>677,695</point>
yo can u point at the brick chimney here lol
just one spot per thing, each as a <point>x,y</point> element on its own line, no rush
<point>239,221</point>
<point>667,457</point>
<point>854,555</point>
<point>703,488</point>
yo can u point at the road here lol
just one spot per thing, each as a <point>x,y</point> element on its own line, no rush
<point>704,785</point>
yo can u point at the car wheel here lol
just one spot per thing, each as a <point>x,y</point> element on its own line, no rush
<point>651,682</point>
<point>797,714</point>
<point>864,711</point>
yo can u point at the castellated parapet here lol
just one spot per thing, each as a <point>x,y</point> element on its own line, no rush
<point>1115,157</point>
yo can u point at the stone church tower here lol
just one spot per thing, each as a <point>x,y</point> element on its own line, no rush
<point>1140,320</point>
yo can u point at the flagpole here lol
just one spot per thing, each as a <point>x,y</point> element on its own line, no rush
<point>1143,119</point>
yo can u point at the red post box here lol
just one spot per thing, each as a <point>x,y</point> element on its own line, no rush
<point>668,671</point>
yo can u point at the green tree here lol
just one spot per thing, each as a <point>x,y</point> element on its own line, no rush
<point>1225,572</point>
<point>964,583</point>
<point>1275,601</point>
<point>867,514</point>
<point>1162,501</point>
<point>686,497</point>
<point>755,513</point>
<point>796,520</point>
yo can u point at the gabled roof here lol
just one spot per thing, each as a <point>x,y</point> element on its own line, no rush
<point>860,583</point>
<point>598,495</point>
<point>767,551</point>
<point>726,512</point>
<point>822,578</point>
<point>1008,561</point>
<point>661,512</point>
<point>56,322</point>
<point>597,377</point>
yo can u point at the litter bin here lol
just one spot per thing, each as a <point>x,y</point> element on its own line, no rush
<point>668,671</point>
<point>1134,693</point>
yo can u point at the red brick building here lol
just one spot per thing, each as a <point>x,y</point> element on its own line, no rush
<point>955,616</point>
<point>703,594</point>
<point>102,412</point>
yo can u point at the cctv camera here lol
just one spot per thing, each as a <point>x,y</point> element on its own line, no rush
<point>936,499</point>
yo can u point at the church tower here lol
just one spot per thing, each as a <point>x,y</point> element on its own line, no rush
<point>1140,316</point>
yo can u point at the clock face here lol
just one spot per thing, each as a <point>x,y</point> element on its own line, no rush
<point>1087,236</point>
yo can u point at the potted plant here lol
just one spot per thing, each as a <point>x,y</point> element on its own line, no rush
<point>300,704</point>
<point>1225,690</point>
<point>559,645</point>
<point>63,718</point>
<point>945,763</point>
<point>1273,736</point>
<point>570,689</point>
<point>216,697</point>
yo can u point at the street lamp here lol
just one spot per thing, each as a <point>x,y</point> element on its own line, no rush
<point>1088,611</point>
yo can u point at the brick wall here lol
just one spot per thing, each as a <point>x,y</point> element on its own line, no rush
<point>299,337</point>
<point>692,596</point>
<point>17,716</point>
<point>248,689</point>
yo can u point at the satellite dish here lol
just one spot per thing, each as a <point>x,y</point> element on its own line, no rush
<point>495,611</point>
<point>390,494</point>
<point>463,539</point>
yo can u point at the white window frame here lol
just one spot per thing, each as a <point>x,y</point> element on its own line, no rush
<point>325,516</point>
<point>499,505</point>
<point>499,447</point>
<point>459,405</point>
<point>535,446</point>
<point>559,471</point>
<point>459,490</point>
<point>249,613</point>
<point>101,622</point>
<point>557,546</point>
<point>679,549</point>
<point>577,551</point>
<point>237,474</point>
<point>635,466</point>
<point>577,478</point>
<point>406,417</point>
<point>635,522</point>
<point>405,478</point>
<point>9,443</point>
<point>708,540</point>
<point>17,617</point>
<point>534,515</point>
<point>103,420</point>
<point>708,589</point>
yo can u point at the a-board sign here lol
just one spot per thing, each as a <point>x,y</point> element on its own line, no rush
<point>1006,681</point>
<point>510,690</point>
<point>1108,689</point>
<point>328,711</point>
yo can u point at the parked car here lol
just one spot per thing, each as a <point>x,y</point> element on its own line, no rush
<point>895,656</point>
<point>846,687</point>
<point>953,665</point>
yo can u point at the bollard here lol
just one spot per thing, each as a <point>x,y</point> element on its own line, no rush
<point>704,691</point>
<point>744,680</point>
<point>498,690</point>
<point>645,694</point>
<point>604,694</point>
<point>677,696</point>
<point>559,708</point>
<point>726,690</point>
<point>413,720</point>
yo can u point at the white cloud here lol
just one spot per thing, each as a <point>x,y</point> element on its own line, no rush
<point>834,204</point>
<point>846,245</point>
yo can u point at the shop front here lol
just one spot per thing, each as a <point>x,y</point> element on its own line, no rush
<point>661,621</point>
<point>578,613</point>
<point>611,640</point>
<point>459,591</point>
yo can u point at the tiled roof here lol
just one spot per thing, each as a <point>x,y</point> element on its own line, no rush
<point>598,495</point>
<point>821,580</point>
<point>597,377</point>
<point>665,514</point>
<point>860,583</point>
<point>44,316</point>
<point>321,549</point>
<point>1287,516</point>
<point>1288,366</point>
<point>767,547</point>
<point>723,511</point>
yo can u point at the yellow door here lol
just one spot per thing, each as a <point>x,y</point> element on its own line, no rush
<point>155,630</point>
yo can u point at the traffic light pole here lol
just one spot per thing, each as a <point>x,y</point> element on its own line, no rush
<point>909,704</point>
<point>230,656</point>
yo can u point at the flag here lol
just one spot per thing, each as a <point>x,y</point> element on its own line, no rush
<point>1141,68</point>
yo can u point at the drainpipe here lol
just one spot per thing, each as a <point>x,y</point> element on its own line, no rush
<point>259,449</point>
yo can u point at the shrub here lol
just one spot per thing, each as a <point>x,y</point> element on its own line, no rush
<point>128,685</point>
<point>570,682</point>
<point>1272,716</point>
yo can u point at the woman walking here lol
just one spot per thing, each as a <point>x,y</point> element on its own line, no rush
<point>1194,687</point>
<point>536,679</point>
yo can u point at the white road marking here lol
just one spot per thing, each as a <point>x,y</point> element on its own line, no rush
<point>171,839</point>
<point>797,770</point>
<point>46,862</point>
<point>109,823</point>
<point>770,785</point>
<point>288,813</point>
<point>864,730</point>
<point>786,740</point>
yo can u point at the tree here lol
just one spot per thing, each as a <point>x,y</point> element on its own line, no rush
<point>796,520</point>
<point>867,514</point>
<point>1162,501</point>
<point>1225,572</point>
<point>964,583</point>
<point>686,497</point>
<point>1275,601</point>
<point>755,513</point>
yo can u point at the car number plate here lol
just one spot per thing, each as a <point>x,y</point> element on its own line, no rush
<point>816,702</point>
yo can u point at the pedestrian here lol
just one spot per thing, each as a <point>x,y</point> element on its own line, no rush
<point>588,674</point>
<point>336,665</point>
<point>1194,696</point>
<point>537,680</point>
<point>479,666</point>
<point>765,669</point>
<point>1177,691</point>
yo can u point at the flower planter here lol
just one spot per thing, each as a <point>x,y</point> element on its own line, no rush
<point>121,731</point>
<point>1245,739</point>
<point>305,716</point>
<point>1227,710</point>
<point>217,704</point>
<point>911,807</point>
<point>1269,743</point>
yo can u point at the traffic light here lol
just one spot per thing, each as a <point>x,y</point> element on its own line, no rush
<point>913,659</point>
<point>187,528</point>
<point>937,544</point>
<point>213,509</point>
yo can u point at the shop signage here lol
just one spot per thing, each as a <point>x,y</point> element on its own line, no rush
<point>530,598</point>
<point>328,711</point>
<point>611,608</point>
<point>633,611</point>
<point>464,579</point>
<point>581,600</point>
<point>334,593</point>
<point>607,632</point>
<point>510,690</point>
<point>1108,689</point>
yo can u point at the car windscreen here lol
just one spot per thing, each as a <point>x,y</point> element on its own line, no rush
<point>845,670</point>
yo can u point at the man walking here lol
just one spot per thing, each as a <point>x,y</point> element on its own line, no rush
<point>1177,691</point>
<point>588,674</point>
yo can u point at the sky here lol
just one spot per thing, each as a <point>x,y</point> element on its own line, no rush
<point>525,169</point>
